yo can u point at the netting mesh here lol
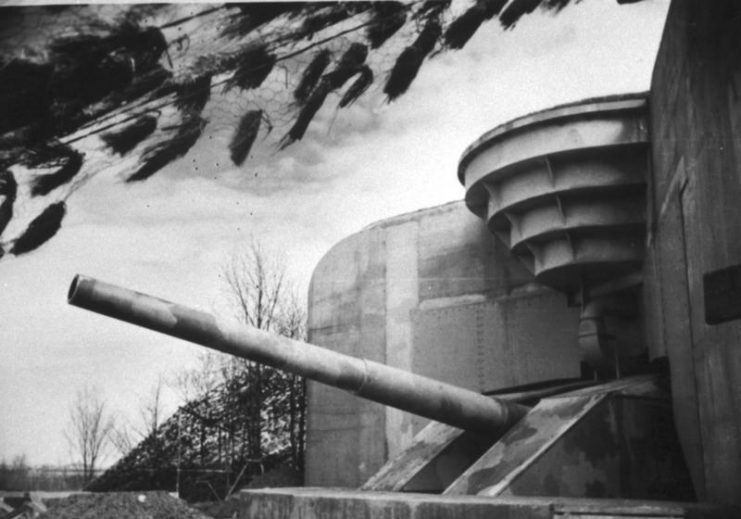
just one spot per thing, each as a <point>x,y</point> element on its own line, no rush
<point>132,89</point>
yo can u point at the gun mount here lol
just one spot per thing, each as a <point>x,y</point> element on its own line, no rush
<point>371,380</point>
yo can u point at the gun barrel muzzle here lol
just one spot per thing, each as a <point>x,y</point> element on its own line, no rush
<point>387,385</point>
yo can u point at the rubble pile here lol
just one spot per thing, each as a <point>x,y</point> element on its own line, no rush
<point>132,505</point>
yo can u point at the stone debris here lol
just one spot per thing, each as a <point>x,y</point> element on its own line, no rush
<point>129,505</point>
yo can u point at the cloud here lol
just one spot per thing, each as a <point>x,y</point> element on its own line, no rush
<point>170,235</point>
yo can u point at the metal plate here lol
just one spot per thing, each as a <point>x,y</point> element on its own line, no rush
<point>722,291</point>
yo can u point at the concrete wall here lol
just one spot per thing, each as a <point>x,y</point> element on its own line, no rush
<point>435,293</point>
<point>694,229</point>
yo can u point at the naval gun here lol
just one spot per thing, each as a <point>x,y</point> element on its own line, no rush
<point>371,380</point>
<point>477,446</point>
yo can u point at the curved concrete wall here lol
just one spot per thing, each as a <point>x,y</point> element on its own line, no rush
<point>434,293</point>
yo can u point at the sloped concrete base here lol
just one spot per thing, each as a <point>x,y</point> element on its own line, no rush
<point>324,503</point>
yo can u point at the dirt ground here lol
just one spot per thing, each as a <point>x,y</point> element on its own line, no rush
<point>119,505</point>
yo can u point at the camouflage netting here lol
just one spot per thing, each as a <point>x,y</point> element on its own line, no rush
<point>203,451</point>
<point>83,86</point>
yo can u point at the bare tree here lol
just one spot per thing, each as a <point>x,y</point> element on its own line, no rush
<point>151,411</point>
<point>255,287</point>
<point>15,475</point>
<point>88,430</point>
<point>258,288</point>
<point>265,299</point>
<point>256,283</point>
<point>124,436</point>
<point>193,384</point>
<point>292,323</point>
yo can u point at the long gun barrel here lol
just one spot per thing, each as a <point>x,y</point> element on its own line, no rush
<point>384,384</point>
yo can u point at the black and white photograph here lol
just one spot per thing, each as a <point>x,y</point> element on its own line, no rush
<point>370,259</point>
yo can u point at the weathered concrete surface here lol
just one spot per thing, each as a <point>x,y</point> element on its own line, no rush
<point>626,447</point>
<point>402,297</point>
<point>429,443</point>
<point>519,449</point>
<point>435,292</point>
<point>694,229</point>
<point>613,440</point>
<point>523,337</point>
<point>347,313</point>
<point>564,188</point>
<point>438,456</point>
<point>324,503</point>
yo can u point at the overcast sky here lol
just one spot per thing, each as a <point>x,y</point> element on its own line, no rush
<point>170,236</point>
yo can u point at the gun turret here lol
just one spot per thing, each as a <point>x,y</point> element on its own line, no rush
<point>394,387</point>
